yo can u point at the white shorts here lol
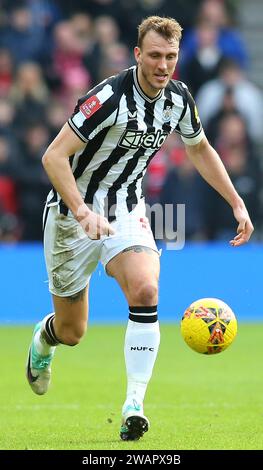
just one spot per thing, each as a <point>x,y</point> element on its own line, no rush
<point>71,256</point>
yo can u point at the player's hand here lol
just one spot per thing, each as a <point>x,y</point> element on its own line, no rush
<point>94,225</point>
<point>245,227</point>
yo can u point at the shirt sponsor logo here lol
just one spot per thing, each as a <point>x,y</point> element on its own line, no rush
<point>148,140</point>
<point>90,106</point>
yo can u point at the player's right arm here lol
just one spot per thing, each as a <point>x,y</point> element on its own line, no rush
<point>56,164</point>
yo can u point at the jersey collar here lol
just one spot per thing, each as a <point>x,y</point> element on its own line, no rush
<point>141,92</point>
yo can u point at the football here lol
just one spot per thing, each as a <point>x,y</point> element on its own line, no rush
<point>209,326</point>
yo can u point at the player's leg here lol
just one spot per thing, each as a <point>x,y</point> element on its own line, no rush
<point>66,326</point>
<point>71,257</point>
<point>136,269</point>
<point>70,320</point>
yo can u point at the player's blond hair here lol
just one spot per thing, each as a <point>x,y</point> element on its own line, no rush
<point>167,27</point>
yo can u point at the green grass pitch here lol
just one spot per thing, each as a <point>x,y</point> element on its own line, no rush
<point>193,401</point>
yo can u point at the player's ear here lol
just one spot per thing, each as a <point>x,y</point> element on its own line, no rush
<point>137,54</point>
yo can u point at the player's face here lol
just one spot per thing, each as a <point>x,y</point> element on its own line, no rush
<point>156,61</point>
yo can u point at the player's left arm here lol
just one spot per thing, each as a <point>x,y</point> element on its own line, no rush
<point>211,168</point>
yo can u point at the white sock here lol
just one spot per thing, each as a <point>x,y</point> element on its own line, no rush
<point>141,347</point>
<point>41,345</point>
<point>40,342</point>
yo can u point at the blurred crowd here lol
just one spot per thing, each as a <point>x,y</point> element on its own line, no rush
<point>52,52</point>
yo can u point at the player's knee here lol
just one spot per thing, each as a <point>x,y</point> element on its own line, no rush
<point>145,294</point>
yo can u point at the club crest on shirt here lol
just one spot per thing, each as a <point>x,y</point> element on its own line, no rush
<point>167,113</point>
<point>90,106</point>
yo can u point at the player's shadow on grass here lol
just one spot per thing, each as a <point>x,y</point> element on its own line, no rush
<point>123,445</point>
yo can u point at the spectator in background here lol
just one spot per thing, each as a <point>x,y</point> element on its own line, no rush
<point>82,27</point>
<point>24,39</point>
<point>205,62</point>
<point>76,82</point>
<point>56,116</point>
<point>31,179</point>
<point>29,94</point>
<point>227,106</point>
<point>6,71</point>
<point>229,41</point>
<point>7,114</point>
<point>45,13</point>
<point>106,34</point>
<point>67,62</point>
<point>248,99</point>
<point>116,57</point>
<point>242,164</point>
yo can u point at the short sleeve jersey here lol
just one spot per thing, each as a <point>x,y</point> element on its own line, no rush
<point>123,129</point>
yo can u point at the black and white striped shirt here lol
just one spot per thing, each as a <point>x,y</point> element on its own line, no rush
<point>123,129</point>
